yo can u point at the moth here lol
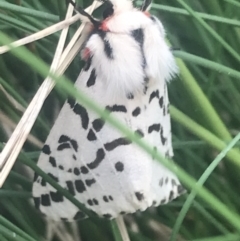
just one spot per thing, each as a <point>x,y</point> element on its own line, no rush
<point>128,64</point>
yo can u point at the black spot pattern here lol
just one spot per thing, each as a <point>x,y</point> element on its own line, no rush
<point>36,202</point>
<point>119,166</point>
<point>154,94</point>
<point>140,133</point>
<point>98,124</point>
<point>105,199</point>
<point>116,143</point>
<point>136,112</point>
<point>90,182</point>
<point>76,171</point>
<point>92,78</point>
<point>79,215</point>
<point>139,196</point>
<point>108,50</point>
<point>171,195</point>
<point>45,200</point>
<point>84,170</point>
<point>43,183</point>
<point>88,64</point>
<point>52,161</point>
<point>53,177</point>
<point>91,136</point>
<point>117,108</point>
<point>46,149</point>
<point>161,101</point>
<point>80,187</point>
<point>130,96</point>
<point>154,127</point>
<point>82,112</point>
<point>70,187</point>
<point>61,167</point>
<point>63,146</point>
<point>181,189</point>
<point>71,102</point>
<point>99,158</point>
<point>163,139</point>
<point>56,197</point>
<point>108,216</point>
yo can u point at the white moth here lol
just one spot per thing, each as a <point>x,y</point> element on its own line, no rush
<point>127,67</point>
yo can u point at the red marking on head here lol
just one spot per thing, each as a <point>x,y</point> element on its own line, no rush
<point>104,26</point>
<point>147,14</point>
<point>86,53</point>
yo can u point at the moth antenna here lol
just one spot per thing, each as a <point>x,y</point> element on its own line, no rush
<point>81,11</point>
<point>146,5</point>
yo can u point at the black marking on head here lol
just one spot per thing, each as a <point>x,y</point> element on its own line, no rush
<point>84,170</point>
<point>53,177</point>
<point>92,78</point>
<point>138,35</point>
<point>171,195</point>
<point>108,11</point>
<point>43,183</point>
<point>145,5</point>
<point>139,196</point>
<point>36,202</point>
<point>119,166</point>
<point>95,201</point>
<point>82,112</point>
<point>98,124</point>
<point>56,197</point>
<point>90,182</point>
<point>45,200</point>
<point>163,139</point>
<point>46,149</point>
<point>99,158</point>
<point>116,143</point>
<point>117,108</point>
<point>80,187</point>
<point>154,127</point>
<point>76,171</point>
<point>70,187</point>
<point>79,215</point>
<point>107,47</point>
<point>140,133</point>
<point>64,146</point>
<point>61,167</point>
<point>108,216</point>
<point>130,96</point>
<point>161,101</point>
<point>71,102</point>
<point>52,161</point>
<point>154,94</point>
<point>88,64</point>
<point>91,135</point>
<point>136,112</point>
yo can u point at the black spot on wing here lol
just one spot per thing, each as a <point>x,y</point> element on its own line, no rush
<point>79,215</point>
<point>82,112</point>
<point>163,139</point>
<point>71,102</point>
<point>116,143</point>
<point>84,170</point>
<point>119,166</point>
<point>108,216</point>
<point>36,202</point>
<point>76,171</point>
<point>136,112</point>
<point>99,158</point>
<point>56,197</point>
<point>35,177</point>
<point>154,94</point>
<point>139,196</point>
<point>92,78</point>
<point>117,108</point>
<point>181,189</point>
<point>98,124</point>
<point>74,145</point>
<point>43,183</point>
<point>63,146</point>
<point>91,135</point>
<point>90,182</point>
<point>45,200</point>
<point>161,101</point>
<point>171,195</point>
<point>140,133</point>
<point>46,149</point>
<point>63,138</point>
<point>130,96</point>
<point>70,187</point>
<point>154,127</point>
<point>52,161</point>
<point>80,187</point>
<point>108,50</point>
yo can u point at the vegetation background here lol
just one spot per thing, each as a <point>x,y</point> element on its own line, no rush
<point>205,112</point>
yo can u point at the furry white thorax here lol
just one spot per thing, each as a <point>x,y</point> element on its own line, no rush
<point>124,73</point>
